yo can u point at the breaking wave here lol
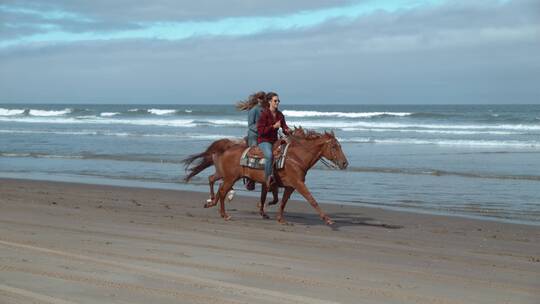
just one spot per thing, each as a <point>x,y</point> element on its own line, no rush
<point>109,114</point>
<point>11,112</point>
<point>161,111</point>
<point>46,113</point>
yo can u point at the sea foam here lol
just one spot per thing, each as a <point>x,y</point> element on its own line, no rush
<point>161,111</point>
<point>43,113</point>
<point>293,113</point>
<point>109,114</point>
<point>11,112</point>
<point>336,124</point>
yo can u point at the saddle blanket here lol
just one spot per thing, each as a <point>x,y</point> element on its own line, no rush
<point>252,157</point>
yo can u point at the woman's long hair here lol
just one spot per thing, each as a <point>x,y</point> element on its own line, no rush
<point>252,101</point>
<point>266,103</point>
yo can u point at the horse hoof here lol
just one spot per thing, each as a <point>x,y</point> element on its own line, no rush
<point>265,216</point>
<point>282,221</point>
<point>209,205</point>
<point>329,222</point>
<point>226,217</point>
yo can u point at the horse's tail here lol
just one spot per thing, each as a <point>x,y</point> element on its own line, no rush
<point>205,158</point>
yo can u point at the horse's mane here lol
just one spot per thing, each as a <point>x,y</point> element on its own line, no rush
<point>308,134</point>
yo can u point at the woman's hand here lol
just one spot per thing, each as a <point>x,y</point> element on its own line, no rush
<point>277,125</point>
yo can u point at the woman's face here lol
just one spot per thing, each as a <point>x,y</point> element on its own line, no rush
<point>274,102</point>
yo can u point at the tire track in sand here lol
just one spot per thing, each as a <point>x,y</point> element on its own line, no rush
<point>216,285</point>
<point>34,296</point>
<point>178,295</point>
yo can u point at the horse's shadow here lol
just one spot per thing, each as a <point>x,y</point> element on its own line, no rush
<point>340,220</point>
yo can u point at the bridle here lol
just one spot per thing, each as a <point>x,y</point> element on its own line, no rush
<point>328,163</point>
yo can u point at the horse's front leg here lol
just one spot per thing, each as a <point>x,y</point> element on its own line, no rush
<point>286,195</point>
<point>264,191</point>
<point>302,189</point>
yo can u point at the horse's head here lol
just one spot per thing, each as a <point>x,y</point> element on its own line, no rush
<point>332,151</point>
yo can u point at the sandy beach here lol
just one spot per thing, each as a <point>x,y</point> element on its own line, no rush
<point>76,243</point>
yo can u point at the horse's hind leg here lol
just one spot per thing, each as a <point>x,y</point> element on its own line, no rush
<point>286,195</point>
<point>211,181</point>
<point>222,192</point>
<point>212,201</point>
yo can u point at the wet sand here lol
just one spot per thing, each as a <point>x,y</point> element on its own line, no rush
<point>76,243</point>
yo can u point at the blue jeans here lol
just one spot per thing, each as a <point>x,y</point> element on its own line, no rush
<point>252,139</point>
<point>266,147</point>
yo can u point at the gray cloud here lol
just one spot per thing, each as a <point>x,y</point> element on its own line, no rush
<point>121,13</point>
<point>457,53</point>
<point>103,15</point>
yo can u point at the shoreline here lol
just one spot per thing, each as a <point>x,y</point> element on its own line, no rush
<point>91,180</point>
<point>81,243</point>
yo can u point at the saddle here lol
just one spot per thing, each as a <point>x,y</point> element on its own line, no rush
<point>253,157</point>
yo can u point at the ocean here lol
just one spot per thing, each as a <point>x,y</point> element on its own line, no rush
<point>480,161</point>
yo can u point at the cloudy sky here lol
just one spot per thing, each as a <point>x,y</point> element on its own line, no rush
<point>309,51</point>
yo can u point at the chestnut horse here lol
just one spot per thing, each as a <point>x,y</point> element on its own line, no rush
<point>306,149</point>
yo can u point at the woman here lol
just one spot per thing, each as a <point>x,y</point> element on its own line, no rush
<point>268,125</point>
<point>254,105</point>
